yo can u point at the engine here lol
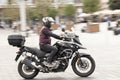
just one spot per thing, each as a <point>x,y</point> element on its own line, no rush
<point>66,54</point>
<point>64,57</point>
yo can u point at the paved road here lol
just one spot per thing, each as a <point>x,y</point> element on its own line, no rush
<point>103,46</point>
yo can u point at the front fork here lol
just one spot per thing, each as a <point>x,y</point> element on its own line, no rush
<point>79,55</point>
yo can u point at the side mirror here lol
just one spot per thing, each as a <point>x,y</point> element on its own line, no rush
<point>63,29</point>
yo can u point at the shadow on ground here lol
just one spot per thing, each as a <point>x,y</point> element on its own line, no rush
<point>62,78</point>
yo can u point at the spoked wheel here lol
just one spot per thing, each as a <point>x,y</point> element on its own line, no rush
<point>83,66</point>
<point>27,72</point>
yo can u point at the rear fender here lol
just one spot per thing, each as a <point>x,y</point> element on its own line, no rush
<point>19,53</point>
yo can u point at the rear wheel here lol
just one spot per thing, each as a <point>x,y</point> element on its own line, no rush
<point>83,66</point>
<point>27,72</point>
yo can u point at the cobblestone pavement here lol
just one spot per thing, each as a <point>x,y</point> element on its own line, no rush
<point>103,46</point>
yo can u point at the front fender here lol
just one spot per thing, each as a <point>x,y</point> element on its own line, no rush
<point>81,54</point>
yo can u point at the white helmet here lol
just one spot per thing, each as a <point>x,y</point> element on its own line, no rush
<point>47,21</point>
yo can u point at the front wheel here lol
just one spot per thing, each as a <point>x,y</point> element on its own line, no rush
<point>83,66</point>
<point>27,72</point>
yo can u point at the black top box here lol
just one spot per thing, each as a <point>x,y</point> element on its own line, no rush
<point>16,40</point>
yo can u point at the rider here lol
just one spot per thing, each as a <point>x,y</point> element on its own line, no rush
<point>45,40</point>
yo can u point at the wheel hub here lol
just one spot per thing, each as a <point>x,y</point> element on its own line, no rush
<point>83,65</point>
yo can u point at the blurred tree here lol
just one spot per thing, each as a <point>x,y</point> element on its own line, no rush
<point>69,11</point>
<point>10,1</point>
<point>52,12</point>
<point>114,4</point>
<point>42,9</point>
<point>90,6</point>
<point>33,13</point>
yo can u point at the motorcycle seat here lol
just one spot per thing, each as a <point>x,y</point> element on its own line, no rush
<point>36,51</point>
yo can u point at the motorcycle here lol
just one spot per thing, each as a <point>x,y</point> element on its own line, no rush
<point>32,60</point>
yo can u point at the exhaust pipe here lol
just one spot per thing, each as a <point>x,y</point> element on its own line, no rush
<point>28,63</point>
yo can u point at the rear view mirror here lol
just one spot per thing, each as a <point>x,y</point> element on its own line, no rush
<point>63,29</point>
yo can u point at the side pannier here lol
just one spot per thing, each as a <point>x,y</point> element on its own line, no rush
<point>16,40</point>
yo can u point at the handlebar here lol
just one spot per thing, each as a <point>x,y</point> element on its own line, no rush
<point>66,39</point>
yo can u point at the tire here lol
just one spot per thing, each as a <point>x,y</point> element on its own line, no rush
<point>77,61</point>
<point>23,74</point>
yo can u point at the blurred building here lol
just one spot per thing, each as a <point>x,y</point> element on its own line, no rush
<point>6,4</point>
<point>12,4</point>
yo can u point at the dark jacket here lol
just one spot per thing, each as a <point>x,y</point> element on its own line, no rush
<point>45,34</point>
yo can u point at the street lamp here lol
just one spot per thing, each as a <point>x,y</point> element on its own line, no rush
<point>23,14</point>
<point>56,3</point>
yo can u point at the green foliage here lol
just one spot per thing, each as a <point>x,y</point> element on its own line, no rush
<point>33,13</point>
<point>114,4</point>
<point>69,10</point>
<point>52,12</point>
<point>90,6</point>
<point>42,9</point>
